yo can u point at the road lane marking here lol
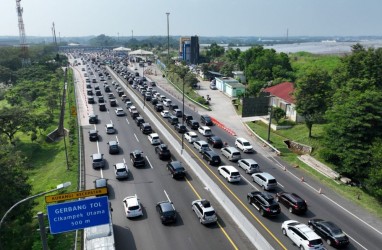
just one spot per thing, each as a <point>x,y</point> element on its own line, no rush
<point>356,241</point>
<point>127,121</point>
<point>136,137</point>
<point>250,183</point>
<point>116,137</point>
<point>151,166</point>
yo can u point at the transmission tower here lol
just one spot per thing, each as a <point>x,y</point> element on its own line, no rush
<point>23,42</point>
<point>54,36</point>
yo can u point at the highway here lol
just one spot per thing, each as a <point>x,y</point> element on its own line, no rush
<point>151,183</point>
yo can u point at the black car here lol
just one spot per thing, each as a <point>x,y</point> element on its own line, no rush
<point>113,147</point>
<point>102,107</point>
<point>101,99</point>
<point>180,128</point>
<point>173,106</point>
<point>206,119</point>
<point>173,120</point>
<point>134,114</point>
<point>137,158</point>
<point>264,202</point>
<point>211,157</point>
<point>167,212</point>
<point>113,103</point>
<point>293,202</point>
<point>159,107</point>
<point>93,135</point>
<point>154,101</point>
<point>91,100</point>
<point>163,152</point>
<point>187,117</point>
<point>215,141</point>
<point>330,232</point>
<point>146,128</point>
<point>93,119</point>
<point>193,124</point>
<point>139,120</point>
<point>176,169</point>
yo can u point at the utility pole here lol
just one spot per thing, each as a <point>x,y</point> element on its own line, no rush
<point>23,41</point>
<point>168,36</point>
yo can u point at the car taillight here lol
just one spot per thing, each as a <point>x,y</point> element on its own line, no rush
<point>268,209</point>
<point>337,241</point>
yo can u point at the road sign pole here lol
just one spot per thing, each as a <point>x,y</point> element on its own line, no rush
<point>40,217</point>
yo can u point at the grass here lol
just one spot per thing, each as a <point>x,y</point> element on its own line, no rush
<point>302,60</point>
<point>299,133</point>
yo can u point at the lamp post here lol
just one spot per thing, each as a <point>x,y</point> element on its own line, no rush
<point>59,187</point>
<point>182,74</point>
<point>270,119</point>
<point>168,36</point>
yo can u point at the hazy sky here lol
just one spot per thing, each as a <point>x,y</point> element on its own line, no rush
<point>194,17</point>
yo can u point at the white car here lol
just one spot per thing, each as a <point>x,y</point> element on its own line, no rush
<point>201,146</point>
<point>132,108</point>
<point>165,114</point>
<point>132,206</point>
<point>167,102</point>
<point>204,211</point>
<point>119,112</point>
<point>205,130</point>
<point>191,137</point>
<point>154,139</point>
<point>243,145</point>
<point>121,171</point>
<point>128,104</point>
<point>301,235</point>
<point>109,128</point>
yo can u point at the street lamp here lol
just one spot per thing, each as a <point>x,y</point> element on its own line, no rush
<point>270,118</point>
<point>59,187</point>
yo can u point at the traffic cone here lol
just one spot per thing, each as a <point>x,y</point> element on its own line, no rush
<point>302,179</point>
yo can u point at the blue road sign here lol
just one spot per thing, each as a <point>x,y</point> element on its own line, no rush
<point>69,216</point>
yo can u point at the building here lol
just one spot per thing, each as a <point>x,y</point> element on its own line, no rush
<point>229,86</point>
<point>189,49</point>
<point>239,75</point>
<point>282,97</point>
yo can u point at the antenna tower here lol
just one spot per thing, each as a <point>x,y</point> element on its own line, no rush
<point>25,61</point>
<point>54,36</point>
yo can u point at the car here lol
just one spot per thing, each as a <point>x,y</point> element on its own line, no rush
<point>243,145</point>
<point>231,153</point>
<point>139,120</point>
<point>230,173</point>
<point>163,152</point>
<point>120,92</point>
<point>167,102</point>
<point>154,101</point>
<point>132,108</point>
<point>121,171</point>
<point>173,119</point>
<point>173,106</point>
<point>180,128</point>
<point>89,92</point>
<point>301,235</point>
<point>132,206</point>
<point>98,93</point>
<point>204,130</point>
<point>162,98</point>
<point>98,161</point>
<point>215,141</point>
<point>211,157</point>
<point>110,96</point>
<point>187,117</point>
<point>191,137</point>
<point>147,96</point>
<point>101,183</point>
<point>109,128</point>
<point>265,180</point>
<point>167,212</point>
<point>165,114</point>
<point>213,86</point>
<point>134,114</point>
<point>264,203</point>
<point>159,107</point>
<point>294,203</point>
<point>176,169</point>
<point>128,104</point>
<point>154,139</point>
<point>137,158</point>
<point>120,112</point>
<point>205,212</point>
<point>206,120</point>
<point>90,100</point>
<point>93,119</point>
<point>330,232</point>
<point>193,124</point>
<point>93,135</point>
<point>113,103</point>
<point>113,147</point>
<point>146,128</point>
<point>201,146</point>
<point>177,112</point>
<point>102,107</point>
<point>101,99</point>
<point>250,166</point>
<point>124,98</point>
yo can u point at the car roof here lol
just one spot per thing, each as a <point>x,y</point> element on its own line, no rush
<point>192,133</point>
<point>111,143</point>
<point>266,175</point>
<point>97,156</point>
<point>120,165</point>
<point>250,161</point>
<point>176,164</point>
<point>109,125</point>
<point>93,131</point>
<point>101,182</point>
<point>166,206</point>
<point>154,135</point>
<point>131,201</point>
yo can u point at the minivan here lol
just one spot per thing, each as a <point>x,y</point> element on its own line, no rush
<point>231,153</point>
<point>173,120</point>
<point>177,112</point>
<point>265,180</point>
<point>211,157</point>
<point>230,173</point>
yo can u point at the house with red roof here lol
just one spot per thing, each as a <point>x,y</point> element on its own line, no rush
<point>282,97</point>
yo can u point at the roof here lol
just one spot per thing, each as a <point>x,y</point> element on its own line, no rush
<point>283,91</point>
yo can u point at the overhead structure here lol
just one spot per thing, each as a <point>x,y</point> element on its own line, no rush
<point>122,49</point>
<point>54,35</point>
<point>23,42</point>
<point>141,52</point>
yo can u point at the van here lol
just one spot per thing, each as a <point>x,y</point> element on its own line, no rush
<point>177,112</point>
<point>204,130</point>
<point>265,180</point>
<point>231,153</point>
<point>230,173</point>
<point>167,102</point>
<point>173,120</point>
<point>211,157</point>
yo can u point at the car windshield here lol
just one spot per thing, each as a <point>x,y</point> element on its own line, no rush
<point>338,233</point>
<point>134,208</point>
<point>168,213</point>
<point>97,160</point>
<point>121,170</point>
<point>246,143</point>
<point>235,174</point>
<point>209,213</point>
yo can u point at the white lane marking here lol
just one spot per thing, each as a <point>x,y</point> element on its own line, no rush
<point>250,183</point>
<point>151,166</point>
<point>278,183</point>
<point>136,137</point>
<point>111,121</point>
<point>124,160</point>
<point>127,121</point>
<point>168,198</point>
<point>355,241</point>
<point>116,137</point>
<point>101,173</point>
<point>97,146</point>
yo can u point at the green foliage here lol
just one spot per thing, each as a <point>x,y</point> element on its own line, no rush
<point>278,114</point>
<point>302,60</point>
<point>13,120</point>
<point>312,95</point>
<point>214,51</point>
<point>102,40</point>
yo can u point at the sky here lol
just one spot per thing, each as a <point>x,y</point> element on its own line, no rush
<point>261,18</point>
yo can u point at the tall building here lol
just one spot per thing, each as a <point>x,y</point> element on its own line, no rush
<point>189,49</point>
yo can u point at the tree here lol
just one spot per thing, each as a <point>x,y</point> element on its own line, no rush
<point>215,51</point>
<point>278,114</point>
<point>312,96</point>
<point>13,120</point>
